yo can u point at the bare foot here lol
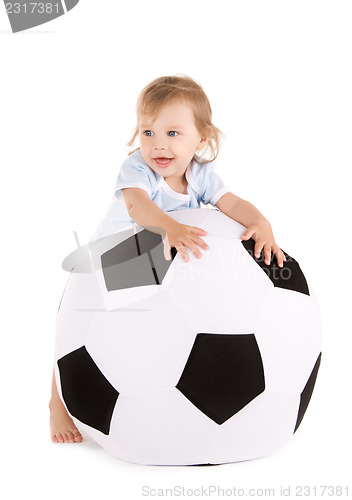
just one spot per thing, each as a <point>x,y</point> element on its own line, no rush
<point>62,428</point>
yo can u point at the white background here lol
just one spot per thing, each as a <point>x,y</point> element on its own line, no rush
<point>278,75</point>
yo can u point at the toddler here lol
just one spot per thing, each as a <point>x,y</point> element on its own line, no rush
<point>171,170</point>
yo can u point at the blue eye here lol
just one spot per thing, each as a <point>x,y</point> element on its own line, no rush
<point>148,133</point>
<point>172,133</point>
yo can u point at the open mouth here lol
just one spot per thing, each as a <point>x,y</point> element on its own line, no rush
<point>162,162</point>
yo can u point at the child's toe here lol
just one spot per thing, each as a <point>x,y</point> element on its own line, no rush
<point>60,438</point>
<point>69,437</point>
<point>77,436</point>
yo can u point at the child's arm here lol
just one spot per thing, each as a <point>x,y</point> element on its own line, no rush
<point>147,214</point>
<point>258,227</point>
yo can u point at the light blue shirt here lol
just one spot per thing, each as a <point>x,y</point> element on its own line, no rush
<point>204,186</point>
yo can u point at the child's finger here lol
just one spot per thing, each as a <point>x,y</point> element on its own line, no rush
<point>280,257</point>
<point>197,230</point>
<point>182,251</point>
<point>258,248</point>
<point>167,249</point>
<point>196,252</point>
<point>267,254</point>
<point>247,234</point>
<point>201,243</point>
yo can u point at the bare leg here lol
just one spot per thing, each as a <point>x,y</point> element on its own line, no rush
<point>62,428</point>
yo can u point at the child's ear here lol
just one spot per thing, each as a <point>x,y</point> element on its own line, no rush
<point>203,143</point>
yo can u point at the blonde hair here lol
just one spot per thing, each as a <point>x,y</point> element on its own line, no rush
<point>165,89</point>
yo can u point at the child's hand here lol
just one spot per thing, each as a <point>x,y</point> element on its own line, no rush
<point>264,238</point>
<point>181,236</point>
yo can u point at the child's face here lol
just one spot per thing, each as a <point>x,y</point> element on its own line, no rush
<point>169,141</point>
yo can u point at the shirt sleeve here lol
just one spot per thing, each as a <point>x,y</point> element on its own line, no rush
<point>211,187</point>
<point>134,172</point>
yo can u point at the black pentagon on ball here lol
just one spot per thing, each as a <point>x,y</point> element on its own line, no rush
<point>289,277</point>
<point>307,392</point>
<point>137,261</point>
<point>223,373</point>
<point>88,395</point>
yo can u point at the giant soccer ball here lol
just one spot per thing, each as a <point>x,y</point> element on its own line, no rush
<point>173,363</point>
